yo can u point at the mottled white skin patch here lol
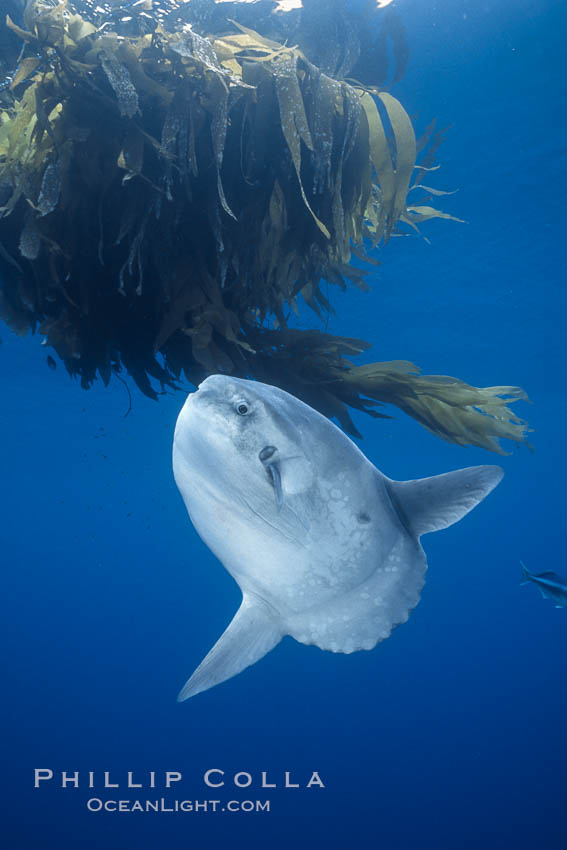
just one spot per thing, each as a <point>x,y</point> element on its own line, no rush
<point>337,564</point>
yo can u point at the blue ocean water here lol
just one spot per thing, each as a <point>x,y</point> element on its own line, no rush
<point>451,734</point>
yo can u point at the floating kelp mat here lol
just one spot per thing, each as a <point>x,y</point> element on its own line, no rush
<point>176,180</point>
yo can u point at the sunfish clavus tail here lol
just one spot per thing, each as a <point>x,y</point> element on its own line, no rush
<point>324,547</point>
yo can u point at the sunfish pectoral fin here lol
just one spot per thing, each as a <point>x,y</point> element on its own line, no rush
<point>269,458</point>
<point>274,470</point>
<point>431,504</point>
<point>254,630</point>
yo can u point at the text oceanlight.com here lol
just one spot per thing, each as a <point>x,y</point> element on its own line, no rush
<point>95,804</point>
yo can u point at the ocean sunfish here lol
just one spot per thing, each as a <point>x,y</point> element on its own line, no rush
<point>323,546</point>
<point>551,585</point>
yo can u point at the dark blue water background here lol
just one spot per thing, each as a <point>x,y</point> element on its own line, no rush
<point>451,734</point>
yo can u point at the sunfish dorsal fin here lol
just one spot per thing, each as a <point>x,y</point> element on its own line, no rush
<point>254,630</point>
<point>431,504</point>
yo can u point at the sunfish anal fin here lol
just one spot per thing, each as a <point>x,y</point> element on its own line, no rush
<point>431,504</point>
<point>254,630</point>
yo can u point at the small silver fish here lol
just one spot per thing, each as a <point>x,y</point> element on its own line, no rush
<point>551,585</point>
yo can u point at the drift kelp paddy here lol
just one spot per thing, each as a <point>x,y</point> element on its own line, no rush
<point>173,177</point>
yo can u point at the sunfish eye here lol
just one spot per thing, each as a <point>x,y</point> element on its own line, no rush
<point>242,408</point>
